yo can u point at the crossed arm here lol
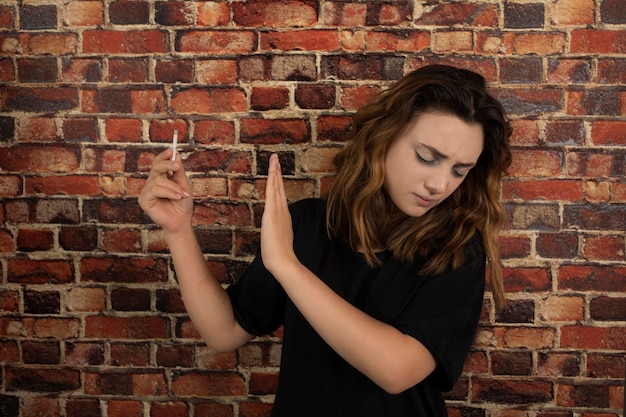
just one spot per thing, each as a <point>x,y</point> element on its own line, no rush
<point>391,359</point>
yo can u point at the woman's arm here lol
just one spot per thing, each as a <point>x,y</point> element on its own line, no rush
<point>167,201</point>
<point>391,359</point>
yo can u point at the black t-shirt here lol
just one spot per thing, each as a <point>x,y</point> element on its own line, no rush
<point>441,312</point>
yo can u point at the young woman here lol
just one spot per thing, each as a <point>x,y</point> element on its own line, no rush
<point>380,284</point>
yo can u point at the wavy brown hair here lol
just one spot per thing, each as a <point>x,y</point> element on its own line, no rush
<point>359,209</point>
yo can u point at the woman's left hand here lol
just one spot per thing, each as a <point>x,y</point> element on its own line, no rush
<point>276,227</point>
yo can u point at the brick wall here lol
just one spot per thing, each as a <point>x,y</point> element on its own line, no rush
<point>91,322</point>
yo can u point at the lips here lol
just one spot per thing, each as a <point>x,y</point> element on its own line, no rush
<point>424,201</point>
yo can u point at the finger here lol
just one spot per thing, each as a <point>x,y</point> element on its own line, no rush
<point>277,183</point>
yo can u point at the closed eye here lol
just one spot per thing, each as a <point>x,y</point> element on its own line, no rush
<point>424,160</point>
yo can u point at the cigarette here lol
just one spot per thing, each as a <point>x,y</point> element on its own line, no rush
<point>174,144</point>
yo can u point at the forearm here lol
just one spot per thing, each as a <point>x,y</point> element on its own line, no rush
<point>206,301</point>
<point>391,359</point>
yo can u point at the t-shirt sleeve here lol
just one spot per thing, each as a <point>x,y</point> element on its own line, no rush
<point>258,300</point>
<point>444,316</point>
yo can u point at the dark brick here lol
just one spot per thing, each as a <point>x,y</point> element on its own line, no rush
<point>517,311</point>
<point>315,96</point>
<point>608,308</point>
<point>130,299</point>
<point>523,15</point>
<point>34,240</point>
<point>48,353</point>
<point>521,71</point>
<point>613,11</point>
<point>9,406</point>
<point>42,302</point>
<point>39,99</point>
<point>78,238</point>
<point>129,12</point>
<point>169,301</point>
<point>80,129</point>
<point>215,241</point>
<point>34,17</point>
<point>175,356</point>
<point>130,354</point>
<point>83,407</point>
<point>42,380</point>
<point>129,70</point>
<point>37,70</point>
<point>7,129</point>
<point>511,363</point>
<point>172,13</point>
<point>172,71</point>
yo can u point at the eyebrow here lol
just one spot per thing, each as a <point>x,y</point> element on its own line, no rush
<point>441,155</point>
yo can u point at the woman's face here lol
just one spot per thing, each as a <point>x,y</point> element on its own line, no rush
<point>429,160</point>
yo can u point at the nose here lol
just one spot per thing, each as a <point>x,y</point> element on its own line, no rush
<point>436,184</point>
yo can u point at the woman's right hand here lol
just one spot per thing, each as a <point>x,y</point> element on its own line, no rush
<point>166,199</point>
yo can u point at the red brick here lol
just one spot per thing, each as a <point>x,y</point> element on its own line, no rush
<point>533,216</point>
<point>213,14</point>
<point>142,270</point>
<point>612,71</point>
<point>84,353</point>
<point>27,271</point>
<point>549,190</point>
<point>594,216</point>
<point>514,246</point>
<point>573,12</point>
<point>274,131</point>
<point>269,13</point>
<point>42,380</point>
<point>81,70</point>
<point>124,42</point>
<point>66,185</point>
<point>586,337</point>
<point>216,42</point>
<point>472,14</point>
<point>595,41</point>
<point>213,410</point>
<point>307,40</point>
<point>38,99</point>
<point>128,70</point>
<point>168,409</point>
<point>389,13</point>
<point>268,98</point>
<point>263,383</point>
<point>353,98</point>
<point>104,160</point>
<point>564,132</point>
<point>175,356</point>
<point>333,128</point>
<point>108,383</point>
<point>540,43</point>
<point>173,13</point>
<point>126,327</point>
<point>9,350</point>
<point>224,214</point>
<point>207,359</point>
<point>608,132</point>
<point>123,130</point>
<point>608,308</point>
<point>35,240</point>
<point>511,391</point>
<point>536,163</point>
<point>216,71</point>
<point>83,13</point>
<point>208,100</point>
<point>41,406</point>
<point>124,408</point>
<point>453,41</point>
<point>568,71</point>
<point>208,384</point>
<point>588,164</point>
<point>174,70</point>
<point>597,102</point>
<point>557,245</point>
<point>255,409</point>
<point>59,44</point>
<point>582,395</point>
<point>86,299</point>
<point>343,14</point>
<point>83,407</point>
<point>128,355</point>
<point>56,328</point>
<point>604,248</point>
<point>7,70</point>
<point>214,131</point>
<point>10,185</point>
<point>315,96</point>
<point>80,129</point>
<point>527,279</point>
<point>550,364</point>
<point>7,16</point>
<point>605,365</point>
